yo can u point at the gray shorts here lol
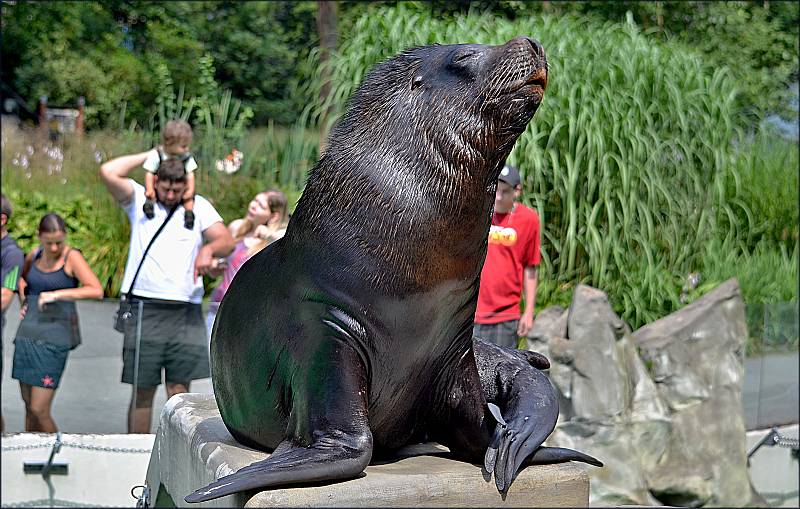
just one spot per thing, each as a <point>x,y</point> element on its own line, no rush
<point>173,339</point>
<point>501,334</point>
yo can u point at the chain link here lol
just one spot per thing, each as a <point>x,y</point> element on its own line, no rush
<point>77,446</point>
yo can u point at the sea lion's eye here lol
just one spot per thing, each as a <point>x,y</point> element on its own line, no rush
<point>462,55</point>
<point>416,82</point>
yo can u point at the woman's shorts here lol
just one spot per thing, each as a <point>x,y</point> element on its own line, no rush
<point>39,363</point>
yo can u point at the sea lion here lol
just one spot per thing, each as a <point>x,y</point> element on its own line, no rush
<point>352,336</point>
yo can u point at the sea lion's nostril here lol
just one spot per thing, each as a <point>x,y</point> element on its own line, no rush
<point>537,48</point>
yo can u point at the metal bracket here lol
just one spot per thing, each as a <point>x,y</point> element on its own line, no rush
<point>143,500</point>
<point>772,439</point>
<point>49,467</point>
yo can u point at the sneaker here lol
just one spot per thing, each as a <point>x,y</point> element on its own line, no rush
<point>188,219</point>
<point>149,209</point>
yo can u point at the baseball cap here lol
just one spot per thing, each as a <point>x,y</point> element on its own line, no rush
<point>510,175</point>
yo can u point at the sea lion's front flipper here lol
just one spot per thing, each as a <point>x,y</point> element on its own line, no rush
<point>528,408</point>
<point>327,434</point>
<point>329,458</point>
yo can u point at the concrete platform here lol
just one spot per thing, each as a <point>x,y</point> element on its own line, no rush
<point>193,448</point>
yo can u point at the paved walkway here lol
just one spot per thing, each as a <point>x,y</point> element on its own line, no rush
<point>771,390</point>
<point>92,399</point>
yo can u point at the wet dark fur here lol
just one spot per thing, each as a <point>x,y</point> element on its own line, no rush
<point>352,335</point>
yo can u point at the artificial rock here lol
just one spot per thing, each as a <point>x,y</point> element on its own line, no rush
<point>660,407</point>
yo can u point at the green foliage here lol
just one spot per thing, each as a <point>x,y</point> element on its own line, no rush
<point>256,45</point>
<point>772,327</point>
<point>261,48</point>
<point>767,189</point>
<point>758,42</point>
<point>283,157</point>
<point>765,275</point>
<point>112,53</point>
<point>58,50</point>
<point>40,178</point>
<point>630,160</point>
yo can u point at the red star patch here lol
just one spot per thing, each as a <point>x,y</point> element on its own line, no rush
<point>48,381</point>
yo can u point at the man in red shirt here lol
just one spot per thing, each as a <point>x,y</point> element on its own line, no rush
<point>511,267</point>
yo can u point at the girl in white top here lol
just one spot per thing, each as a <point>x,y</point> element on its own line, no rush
<point>264,223</point>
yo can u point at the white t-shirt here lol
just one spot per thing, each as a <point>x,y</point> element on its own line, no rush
<point>151,163</point>
<point>168,271</point>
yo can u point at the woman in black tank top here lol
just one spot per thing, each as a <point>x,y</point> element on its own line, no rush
<point>53,278</point>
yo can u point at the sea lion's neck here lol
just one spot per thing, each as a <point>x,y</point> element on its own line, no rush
<point>429,223</point>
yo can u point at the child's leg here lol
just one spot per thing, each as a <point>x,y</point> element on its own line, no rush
<point>150,185</point>
<point>188,202</point>
<point>149,194</point>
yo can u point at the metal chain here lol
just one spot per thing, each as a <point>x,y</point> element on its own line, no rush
<point>56,502</point>
<point>107,448</point>
<point>785,441</point>
<point>30,446</point>
<point>77,446</point>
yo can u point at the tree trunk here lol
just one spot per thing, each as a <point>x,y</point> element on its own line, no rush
<point>660,14</point>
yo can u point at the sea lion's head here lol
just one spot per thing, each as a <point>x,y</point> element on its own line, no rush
<point>452,106</point>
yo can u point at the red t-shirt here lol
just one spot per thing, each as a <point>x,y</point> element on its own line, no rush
<point>513,245</point>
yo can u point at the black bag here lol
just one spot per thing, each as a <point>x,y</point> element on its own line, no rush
<point>125,313</point>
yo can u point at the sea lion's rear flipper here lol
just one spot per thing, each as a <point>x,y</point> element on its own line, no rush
<point>545,455</point>
<point>329,458</point>
<point>527,406</point>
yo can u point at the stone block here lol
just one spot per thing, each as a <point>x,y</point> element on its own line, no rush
<point>193,448</point>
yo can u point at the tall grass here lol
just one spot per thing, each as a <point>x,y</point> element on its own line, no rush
<point>280,156</point>
<point>635,159</point>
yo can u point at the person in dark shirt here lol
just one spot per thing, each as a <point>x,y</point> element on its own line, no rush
<point>11,260</point>
<point>53,278</point>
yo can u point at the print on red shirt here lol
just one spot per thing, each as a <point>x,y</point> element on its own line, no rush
<point>513,245</point>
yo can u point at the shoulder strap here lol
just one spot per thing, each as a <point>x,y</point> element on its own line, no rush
<point>26,265</point>
<point>66,259</point>
<point>136,274</point>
